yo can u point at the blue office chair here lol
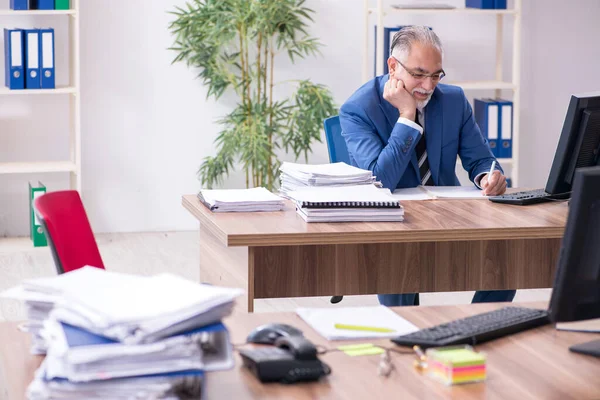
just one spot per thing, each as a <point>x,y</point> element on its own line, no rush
<point>338,152</point>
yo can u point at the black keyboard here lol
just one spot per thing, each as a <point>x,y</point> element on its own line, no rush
<point>477,328</point>
<point>528,197</point>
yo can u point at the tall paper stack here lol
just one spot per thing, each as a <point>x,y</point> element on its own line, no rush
<point>297,176</point>
<point>112,335</point>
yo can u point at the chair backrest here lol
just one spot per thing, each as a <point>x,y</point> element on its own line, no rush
<point>335,141</point>
<point>68,230</point>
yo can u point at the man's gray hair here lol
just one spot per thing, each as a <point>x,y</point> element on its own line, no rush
<point>409,35</point>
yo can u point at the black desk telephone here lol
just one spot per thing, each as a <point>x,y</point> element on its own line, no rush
<point>292,359</point>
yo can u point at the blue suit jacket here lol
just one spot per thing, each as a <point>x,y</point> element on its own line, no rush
<point>378,143</point>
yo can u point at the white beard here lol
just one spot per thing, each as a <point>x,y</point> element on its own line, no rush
<point>422,103</point>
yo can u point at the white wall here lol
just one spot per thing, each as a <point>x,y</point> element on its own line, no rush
<point>147,125</point>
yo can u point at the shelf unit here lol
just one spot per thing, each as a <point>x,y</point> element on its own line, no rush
<point>497,84</point>
<point>73,165</point>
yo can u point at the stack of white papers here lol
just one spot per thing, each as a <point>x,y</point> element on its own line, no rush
<point>364,320</point>
<point>38,307</point>
<point>106,329</point>
<point>241,200</point>
<point>347,204</point>
<point>171,386</point>
<point>296,176</point>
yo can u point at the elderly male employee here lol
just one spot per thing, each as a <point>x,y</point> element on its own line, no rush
<point>408,129</point>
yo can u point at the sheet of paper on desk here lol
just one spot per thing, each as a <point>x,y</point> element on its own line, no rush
<point>323,320</point>
<point>416,193</point>
<point>455,192</point>
<point>438,192</point>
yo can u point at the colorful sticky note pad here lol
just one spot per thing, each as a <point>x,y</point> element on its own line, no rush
<point>454,365</point>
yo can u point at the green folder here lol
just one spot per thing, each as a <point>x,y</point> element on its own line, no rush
<point>62,5</point>
<point>36,232</point>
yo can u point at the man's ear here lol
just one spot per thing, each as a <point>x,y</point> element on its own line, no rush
<point>392,64</point>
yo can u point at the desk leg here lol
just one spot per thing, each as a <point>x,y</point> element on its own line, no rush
<point>226,266</point>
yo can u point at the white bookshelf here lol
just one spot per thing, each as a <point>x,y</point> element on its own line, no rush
<point>379,12</point>
<point>37,167</point>
<point>73,165</point>
<point>38,12</point>
<point>4,91</point>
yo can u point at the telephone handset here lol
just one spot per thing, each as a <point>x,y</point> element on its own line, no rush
<point>292,359</point>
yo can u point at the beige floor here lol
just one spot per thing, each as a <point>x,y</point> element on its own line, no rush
<point>176,252</point>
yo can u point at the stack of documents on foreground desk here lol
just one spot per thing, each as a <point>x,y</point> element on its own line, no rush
<point>38,306</point>
<point>112,335</point>
<point>297,176</point>
<point>241,200</point>
<point>346,204</point>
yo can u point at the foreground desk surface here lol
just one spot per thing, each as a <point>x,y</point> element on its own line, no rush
<point>535,364</point>
<point>443,245</point>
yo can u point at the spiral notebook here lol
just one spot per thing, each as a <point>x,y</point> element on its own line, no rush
<point>353,196</point>
<point>356,203</point>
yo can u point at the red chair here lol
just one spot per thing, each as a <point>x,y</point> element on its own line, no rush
<point>68,230</point>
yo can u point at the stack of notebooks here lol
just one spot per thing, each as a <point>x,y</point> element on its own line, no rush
<point>346,204</point>
<point>120,336</point>
<point>297,176</point>
<point>241,200</point>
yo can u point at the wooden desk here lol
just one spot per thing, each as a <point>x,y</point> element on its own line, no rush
<point>535,364</point>
<point>443,245</point>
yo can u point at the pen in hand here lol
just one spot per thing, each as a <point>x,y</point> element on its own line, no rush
<point>493,167</point>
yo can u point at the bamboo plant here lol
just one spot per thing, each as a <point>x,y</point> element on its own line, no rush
<point>235,45</point>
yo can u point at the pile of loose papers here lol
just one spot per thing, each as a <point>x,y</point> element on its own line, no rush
<point>240,200</point>
<point>120,336</point>
<point>297,176</point>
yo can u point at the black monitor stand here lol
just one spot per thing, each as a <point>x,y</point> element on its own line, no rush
<point>589,348</point>
<point>591,326</point>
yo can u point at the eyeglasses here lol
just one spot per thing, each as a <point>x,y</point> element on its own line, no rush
<point>419,76</point>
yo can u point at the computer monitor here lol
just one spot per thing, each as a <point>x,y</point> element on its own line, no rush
<point>576,291</point>
<point>579,143</point>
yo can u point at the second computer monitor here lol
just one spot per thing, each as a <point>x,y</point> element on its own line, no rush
<point>576,291</point>
<point>579,143</point>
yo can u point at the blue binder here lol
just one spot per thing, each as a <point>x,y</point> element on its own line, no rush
<point>505,126</point>
<point>500,4</point>
<point>32,59</point>
<point>19,4</point>
<point>484,4</point>
<point>221,359</point>
<point>48,80</point>
<point>13,59</point>
<point>42,4</point>
<point>388,35</point>
<point>487,117</point>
